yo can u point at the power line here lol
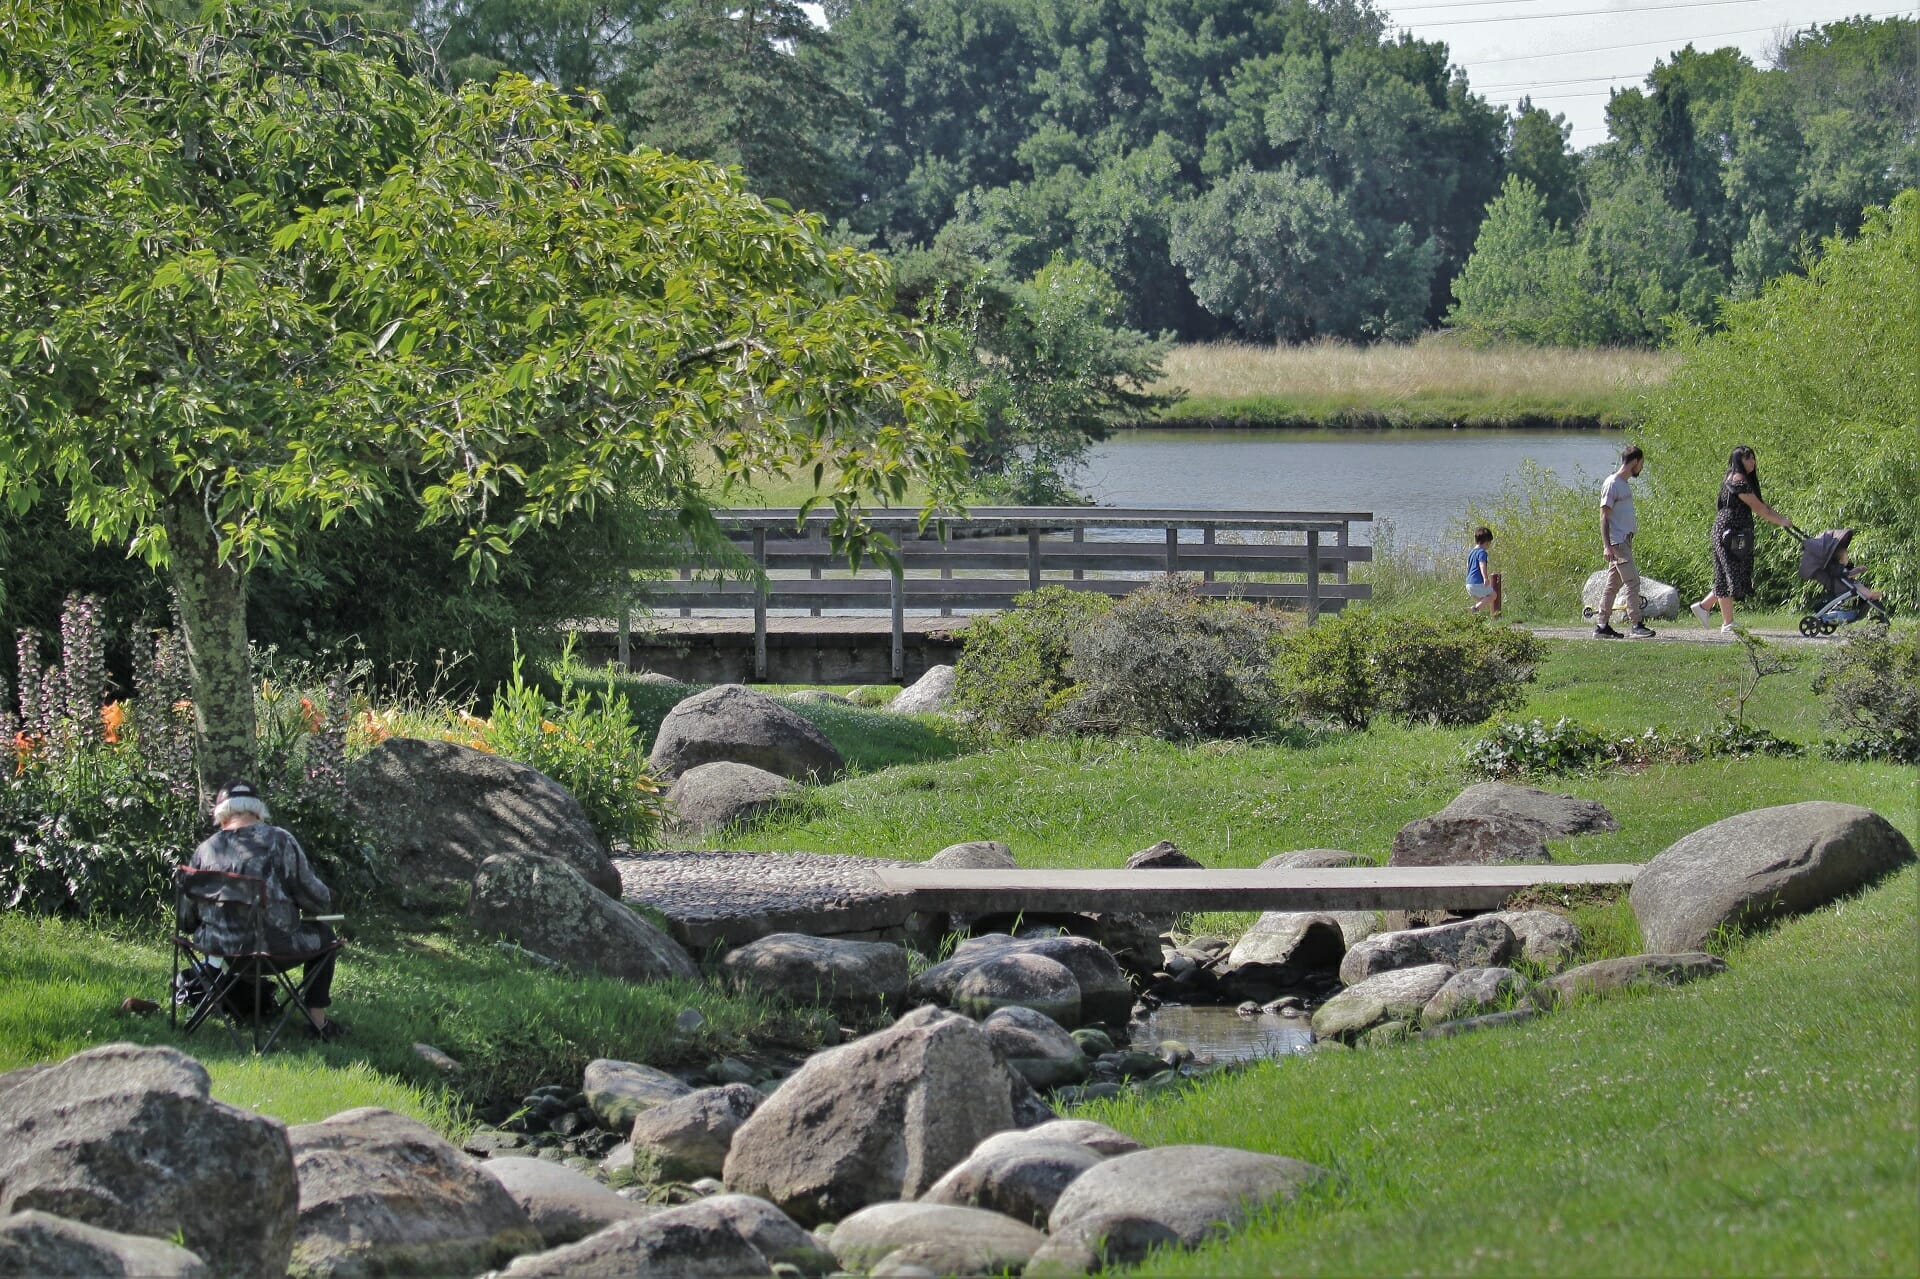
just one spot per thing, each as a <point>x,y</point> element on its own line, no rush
<point>1673,41</point>
<point>1472,4</point>
<point>1578,13</point>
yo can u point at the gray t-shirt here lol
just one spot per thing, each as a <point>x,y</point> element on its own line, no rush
<point>1618,494</point>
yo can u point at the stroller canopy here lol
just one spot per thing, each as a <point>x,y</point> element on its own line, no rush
<point>1818,553</point>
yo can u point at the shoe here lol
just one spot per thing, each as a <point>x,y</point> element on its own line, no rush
<point>1603,631</point>
<point>1642,631</point>
<point>332,1032</point>
<point>1702,614</point>
<point>1727,629</point>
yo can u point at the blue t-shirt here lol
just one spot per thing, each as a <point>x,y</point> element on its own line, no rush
<point>1477,566</point>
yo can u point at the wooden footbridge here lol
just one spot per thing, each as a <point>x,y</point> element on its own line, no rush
<point>805,617</point>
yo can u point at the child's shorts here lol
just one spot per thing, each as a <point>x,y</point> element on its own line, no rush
<point>1479,590</point>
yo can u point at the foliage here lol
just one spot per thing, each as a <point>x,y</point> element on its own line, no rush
<point>1417,668</point>
<point>1011,676</point>
<point>1540,750</point>
<point>1166,661</point>
<point>1872,686</point>
<point>1816,375</point>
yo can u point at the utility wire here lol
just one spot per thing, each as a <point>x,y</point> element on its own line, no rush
<point>1674,41</point>
<point>1581,13</point>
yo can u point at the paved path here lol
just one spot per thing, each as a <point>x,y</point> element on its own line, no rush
<point>1687,632</point>
<point>733,897</point>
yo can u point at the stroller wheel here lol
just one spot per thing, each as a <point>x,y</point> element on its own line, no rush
<point>1828,628</point>
<point>1810,627</point>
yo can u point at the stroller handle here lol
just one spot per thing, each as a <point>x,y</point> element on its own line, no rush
<point>1798,534</point>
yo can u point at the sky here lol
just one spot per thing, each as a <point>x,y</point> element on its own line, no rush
<point>1566,54</point>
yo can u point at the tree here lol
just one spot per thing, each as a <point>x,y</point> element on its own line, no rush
<point>1524,282</point>
<point>292,283</point>
<point>1538,154</point>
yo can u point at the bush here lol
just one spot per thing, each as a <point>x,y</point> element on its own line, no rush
<point>1534,748</point>
<point>1449,669</point>
<point>1872,687</point>
<point>1167,662</point>
<point>1011,676</point>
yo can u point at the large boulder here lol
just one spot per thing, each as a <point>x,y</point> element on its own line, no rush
<point>1657,598</point>
<point>1178,1194</point>
<point>931,694</point>
<point>714,796</point>
<point>736,724</point>
<point>384,1194</point>
<point>854,978</point>
<point>1284,946</point>
<point>776,1236</point>
<point>1468,840</point>
<point>1473,990</point>
<point>130,1140</point>
<point>440,809</point>
<point>1105,994</point>
<point>881,1118</point>
<point>680,1243</point>
<point>1558,816</point>
<point>1098,1138</point>
<point>1546,937</point>
<point>1399,995</point>
<point>1481,942</point>
<point>1036,1046</point>
<point>562,1204</point>
<point>943,1238</point>
<point>621,1091</point>
<point>1606,976</point>
<point>1014,1174</point>
<point>1020,980</point>
<point>1759,866</point>
<point>687,1138</point>
<point>1355,925</point>
<point>974,854</point>
<point>36,1243</point>
<point>547,907</point>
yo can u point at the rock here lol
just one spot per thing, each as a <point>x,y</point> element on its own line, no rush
<point>128,1139</point>
<point>820,697</point>
<point>733,723</point>
<point>621,1091</point>
<point>1468,841</point>
<point>1546,937</point>
<point>1105,993</point>
<point>688,1021</point>
<point>36,1243</point>
<point>381,1193</point>
<point>711,797</point>
<point>546,906</point>
<point>1473,990</point>
<point>1093,1041</point>
<point>881,1118</point>
<point>773,1234</point>
<point>1390,996</point>
<point>1284,946</point>
<point>1558,816</point>
<point>1657,598</point>
<point>440,809</point>
<point>1316,859</point>
<point>1162,856</point>
<point>688,1137</point>
<point>1482,942</point>
<point>1036,1046</point>
<point>854,978</point>
<point>1759,866</point>
<point>1386,1034</point>
<point>436,1059</point>
<point>659,677</point>
<point>678,1243</point>
<point>974,854</point>
<point>1022,981</point>
<point>1098,1138</point>
<point>1172,1194</point>
<point>1606,976</point>
<point>562,1204</point>
<point>931,694</point>
<point>1490,1021</point>
<point>1015,1175</point>
<point>947,1240</point>
<point>1132,939</point>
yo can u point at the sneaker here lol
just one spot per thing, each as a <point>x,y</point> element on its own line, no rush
<point>1603,631</point>
<point>330,1033</point>
<point>1727,629</point>
<point>1701,614</point>
<point>1642,631</point>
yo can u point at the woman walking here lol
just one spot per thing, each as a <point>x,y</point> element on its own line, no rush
<point>1733,537</point>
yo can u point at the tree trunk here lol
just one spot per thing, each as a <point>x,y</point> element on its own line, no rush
<point>213,617</point>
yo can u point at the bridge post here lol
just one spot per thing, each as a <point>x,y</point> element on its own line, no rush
<point>897,591</point>
<point>1173,549</point>
<point>1340,540</point>
<point>1207,536</point>
<point>1313,575</point>
<point>1033,559</point>
<point>686,575</point>
<point>815,575</point>
<point>1080,538</point>
<point>760,606</point>
<point>623,652</point>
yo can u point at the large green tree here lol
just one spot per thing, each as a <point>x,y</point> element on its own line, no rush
<point>254,281</point>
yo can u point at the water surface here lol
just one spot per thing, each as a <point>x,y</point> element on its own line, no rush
<point>1217,1031</point>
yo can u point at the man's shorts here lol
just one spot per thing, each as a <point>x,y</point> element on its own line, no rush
<point>1479,590</point>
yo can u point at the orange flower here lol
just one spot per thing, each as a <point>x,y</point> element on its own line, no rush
<point>548,726</point>
<point>311,713</point>
<point>113,718</point>
<point>24,748</point>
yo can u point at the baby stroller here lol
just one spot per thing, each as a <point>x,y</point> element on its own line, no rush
<point>1823,560</point>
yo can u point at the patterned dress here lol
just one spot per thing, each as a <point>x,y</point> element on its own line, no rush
<point>1733,522</point>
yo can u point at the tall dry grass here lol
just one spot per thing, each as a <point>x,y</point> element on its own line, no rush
<point>1426,381</point>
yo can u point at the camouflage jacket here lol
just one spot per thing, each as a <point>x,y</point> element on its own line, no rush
<point>265,852</point>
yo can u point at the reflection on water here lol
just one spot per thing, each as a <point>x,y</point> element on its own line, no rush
<point>1420,480</point>
<point>1217,1031</point>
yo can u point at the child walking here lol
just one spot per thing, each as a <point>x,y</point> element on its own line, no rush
<point>1479,579</point>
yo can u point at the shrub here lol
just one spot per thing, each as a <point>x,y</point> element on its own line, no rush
<point>1872,687</point>
<point>1167,662</point>
<point>1567,747</point>
<point>1449,669</point>
<point>1011,675</point>
<point>1326,671</point>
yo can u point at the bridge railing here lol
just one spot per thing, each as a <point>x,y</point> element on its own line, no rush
<point>982,561</point>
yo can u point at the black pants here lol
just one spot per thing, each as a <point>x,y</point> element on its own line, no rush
<point>318,971</point>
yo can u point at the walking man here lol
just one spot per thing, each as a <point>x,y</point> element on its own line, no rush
<point>1617,527</point>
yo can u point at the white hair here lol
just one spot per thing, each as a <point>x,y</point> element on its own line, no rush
<point>235,805</point>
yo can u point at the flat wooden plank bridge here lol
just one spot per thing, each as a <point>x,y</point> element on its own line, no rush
<point>804,617</point>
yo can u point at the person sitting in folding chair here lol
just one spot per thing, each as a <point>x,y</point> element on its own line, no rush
<point>248,845</point>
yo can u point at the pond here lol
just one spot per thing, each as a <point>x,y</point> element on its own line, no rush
<point>1419,480</point>
<point>1219,1032</point>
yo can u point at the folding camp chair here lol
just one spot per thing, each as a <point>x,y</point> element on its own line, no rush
<point>248,981</point>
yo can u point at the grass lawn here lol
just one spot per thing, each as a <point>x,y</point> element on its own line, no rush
<point>1434,382</point>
